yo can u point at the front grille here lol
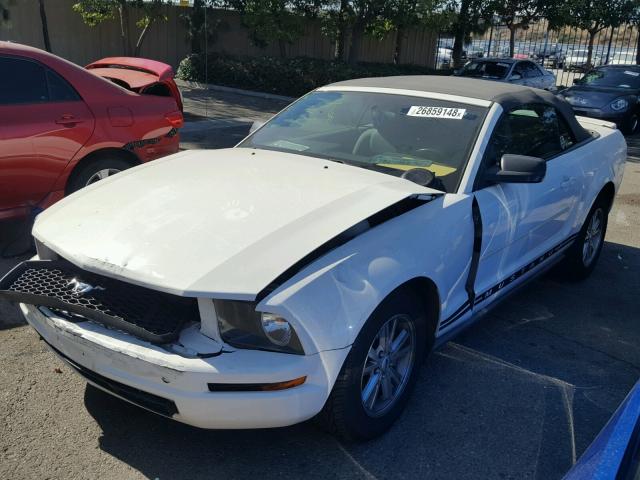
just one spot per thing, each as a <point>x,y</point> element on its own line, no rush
<point>151,315</point>
<point>156,404</point>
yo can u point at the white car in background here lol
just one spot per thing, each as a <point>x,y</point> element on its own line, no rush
<point>511,70</point>
<point>576,60</point>
<point>623,58</point>
<point>309,271</point>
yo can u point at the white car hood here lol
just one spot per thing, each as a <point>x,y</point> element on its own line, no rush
<point>216,223</point>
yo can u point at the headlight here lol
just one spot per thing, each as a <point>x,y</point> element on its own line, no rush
<point>277,329</point>
<point>242,326</point>
<point>619,104</point>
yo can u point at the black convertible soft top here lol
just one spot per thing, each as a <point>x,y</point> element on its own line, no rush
<point>509,96</point>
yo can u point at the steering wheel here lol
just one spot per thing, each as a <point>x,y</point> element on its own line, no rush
<point>420,176</point>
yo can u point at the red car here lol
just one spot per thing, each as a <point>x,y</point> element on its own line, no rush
<point>63,127</point>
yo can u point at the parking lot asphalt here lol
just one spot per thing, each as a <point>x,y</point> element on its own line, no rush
<point>519,395</point>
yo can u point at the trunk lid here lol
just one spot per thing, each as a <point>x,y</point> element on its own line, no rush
<point>140,75</point>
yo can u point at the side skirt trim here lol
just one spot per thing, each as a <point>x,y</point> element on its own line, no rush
<point>506,281</point>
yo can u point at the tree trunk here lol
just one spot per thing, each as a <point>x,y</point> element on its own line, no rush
<point>123,10</point>
<point>592,37</point>
<point>401,34</point>
<point>45,27</point>
<point>638,50</point>
<point>143,34</point>
<point>512,39</point>
<point>343,31</point>
<point>460,32</point>
<point>356,41</point>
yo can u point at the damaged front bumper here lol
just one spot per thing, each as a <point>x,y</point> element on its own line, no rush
<point>177,386</point>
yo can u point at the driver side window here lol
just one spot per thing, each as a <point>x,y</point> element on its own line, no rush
<point>533,130</point>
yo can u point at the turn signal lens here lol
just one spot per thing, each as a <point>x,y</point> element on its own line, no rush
<point>256,387</point>
<point>175,119</point>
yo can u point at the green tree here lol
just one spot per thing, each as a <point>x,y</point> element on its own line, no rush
<point>593,16</point>
<point>517,15</point>
<point>202,23</point>
<point>94,12</point>
<point>335,17</point>
<point>274,21</point>
<point>468,16</point>
<point>408,14</point>
<point>347,22</point>
<point>368,17</point>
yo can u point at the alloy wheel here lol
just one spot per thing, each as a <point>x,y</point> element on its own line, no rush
<point>102,174</point>
<point>388,365</point>
<point>593,237</point>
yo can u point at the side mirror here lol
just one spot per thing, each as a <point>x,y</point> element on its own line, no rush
<point>515,76</point>
<point>519,169</point>
<point>256,125</point>
<point>576,81</point>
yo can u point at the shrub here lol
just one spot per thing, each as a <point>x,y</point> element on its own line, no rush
<point>284,76</point>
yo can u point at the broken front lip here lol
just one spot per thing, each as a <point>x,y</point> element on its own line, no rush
<point>152,369</point>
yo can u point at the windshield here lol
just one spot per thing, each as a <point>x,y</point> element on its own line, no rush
<point>388,133</point>
<point>494,70</point>
<point>613,77</point>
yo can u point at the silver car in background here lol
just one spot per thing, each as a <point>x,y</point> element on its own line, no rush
<point>509,70</point>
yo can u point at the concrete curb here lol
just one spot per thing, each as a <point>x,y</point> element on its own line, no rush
<point>239,91</point>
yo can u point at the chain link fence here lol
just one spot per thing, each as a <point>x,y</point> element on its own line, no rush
<point>565,52</point>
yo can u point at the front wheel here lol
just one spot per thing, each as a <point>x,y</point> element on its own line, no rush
<point>583,255</point>
<point>378,375</point>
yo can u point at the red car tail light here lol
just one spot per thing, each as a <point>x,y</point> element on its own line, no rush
<point>175,119</point>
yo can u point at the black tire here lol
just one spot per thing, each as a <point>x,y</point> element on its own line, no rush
<point>344,413</point>
<point>87,172</point>
<point>575,265</point>
<point>630,124</point>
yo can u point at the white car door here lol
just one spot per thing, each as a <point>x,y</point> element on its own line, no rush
<point>522,223</point>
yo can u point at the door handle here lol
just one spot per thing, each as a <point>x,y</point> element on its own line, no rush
<point>566,182</point>
<point>69,120</point>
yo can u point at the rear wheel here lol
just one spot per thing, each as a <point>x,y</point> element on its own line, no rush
<point>379,373</point>
<point>97,170</point>
<point>583,255</point>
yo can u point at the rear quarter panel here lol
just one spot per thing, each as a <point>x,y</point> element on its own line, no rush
<point>604,159</point>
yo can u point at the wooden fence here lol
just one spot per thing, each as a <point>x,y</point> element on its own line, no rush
<point>167,41</point>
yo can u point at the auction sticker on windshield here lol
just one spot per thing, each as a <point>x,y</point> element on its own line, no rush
<point>436,112</point>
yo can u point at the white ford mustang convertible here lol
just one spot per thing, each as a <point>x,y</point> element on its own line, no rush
<point>308,271</point>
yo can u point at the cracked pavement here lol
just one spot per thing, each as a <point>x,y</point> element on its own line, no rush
<point>521,394</point>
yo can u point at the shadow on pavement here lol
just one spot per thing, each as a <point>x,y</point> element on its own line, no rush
<point>520,394</point>
<point>15,246</point>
